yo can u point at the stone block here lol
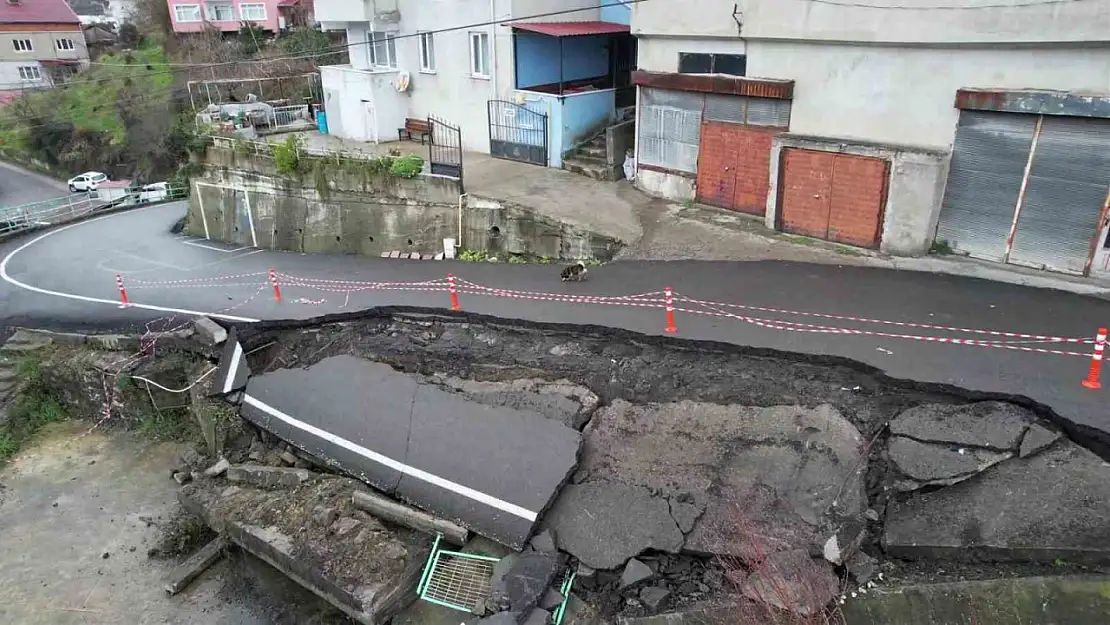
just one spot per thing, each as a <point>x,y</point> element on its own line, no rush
<point>268,477</point>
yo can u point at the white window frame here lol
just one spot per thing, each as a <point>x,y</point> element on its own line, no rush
<point>382,44</point>
<point>253,5</point>
<point>29,73</point>
<point>479,55</point>
<point>23,45</point>
<point>65,44</point>
<point>212,16</point>
<point>427,44</point>
<point>186,13</point>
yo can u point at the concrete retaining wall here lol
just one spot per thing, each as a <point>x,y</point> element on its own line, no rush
<point>347,209</point>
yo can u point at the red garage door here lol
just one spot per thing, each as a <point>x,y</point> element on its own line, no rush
<point>838,197</point>
<point>733,165</point>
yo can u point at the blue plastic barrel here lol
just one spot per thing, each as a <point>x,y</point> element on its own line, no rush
<point>322,122</point>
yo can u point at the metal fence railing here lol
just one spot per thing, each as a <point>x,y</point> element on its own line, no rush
<point>290,116</point>
<point>60,210</point>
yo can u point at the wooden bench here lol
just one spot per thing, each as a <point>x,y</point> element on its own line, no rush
<point>413,127</point>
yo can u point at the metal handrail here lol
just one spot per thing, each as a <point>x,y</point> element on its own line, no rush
<point>59,210</point>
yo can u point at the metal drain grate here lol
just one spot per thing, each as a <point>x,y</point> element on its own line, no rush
<point>460,581</point>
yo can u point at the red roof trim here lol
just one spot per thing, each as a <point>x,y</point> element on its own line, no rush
<point>571,29</point>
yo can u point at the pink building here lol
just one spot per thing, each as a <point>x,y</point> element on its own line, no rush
<point>192,16</point>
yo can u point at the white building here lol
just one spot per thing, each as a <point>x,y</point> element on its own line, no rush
<point>509,75</point>
<point>888,124</point>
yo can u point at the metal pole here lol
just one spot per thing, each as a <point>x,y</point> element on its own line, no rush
<point>1103,221</point>
<point>560,66</point>
<point>1024,185</point>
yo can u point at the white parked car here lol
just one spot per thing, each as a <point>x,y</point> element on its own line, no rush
<point>154,192</point>
<point>87,181</point>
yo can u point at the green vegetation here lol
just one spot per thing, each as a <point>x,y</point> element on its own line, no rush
<point>941,248</point>
<point>406,166</point>
<point>34,407</point>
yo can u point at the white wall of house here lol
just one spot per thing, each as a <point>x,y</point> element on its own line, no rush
<point>906,95</point>
<point>12,79</point>
<point>660,54</point>
<point>362,105</point>
<point>449,89</point>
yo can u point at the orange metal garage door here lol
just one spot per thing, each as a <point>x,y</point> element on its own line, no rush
<point>837,197</point>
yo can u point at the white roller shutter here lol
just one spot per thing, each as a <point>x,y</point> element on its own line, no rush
<point>988,162</point>
<point>1065,193</point>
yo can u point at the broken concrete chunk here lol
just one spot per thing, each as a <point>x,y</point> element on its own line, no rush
<point>182,477</point>
<point>520,580</point>
<point>544,541</point>
<point>551,599</point>
<point>1037,438</point>
<point>324,515</point>
<point>861,567</point>
<point>845,542</point>
<point>345,526</point>
<point>401,514</point>
<point>218,469</point>
<point>537,617</point>
<point>635,572</point>
<point>750,453</point>
<point>655,598</point>
<point>180,578</point>
<point>990,424</point>
<point>1053,505</point>
<point>268,477</point>
<point>603,524</point>
<point>288,458</point>
<point>209,332</point>
<point>794,582</point>
<point>685,514</point>
<point>937,464</point>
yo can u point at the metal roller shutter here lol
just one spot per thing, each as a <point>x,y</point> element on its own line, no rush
<point>988,162</point>
<point>1064,195</point>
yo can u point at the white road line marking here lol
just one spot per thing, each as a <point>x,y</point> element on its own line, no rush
<point>211,247</point>
<point>99,300</point>
<point>234,368</point>
<point>386,461</point>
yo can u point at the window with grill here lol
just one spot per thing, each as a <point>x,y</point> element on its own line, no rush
<point>383,50</point>
<point>739,109</point>
<point>252,12</point>
<point>698,63</point>
<point>670,129</point>
<point>22,45</point>
<point>29,72</point>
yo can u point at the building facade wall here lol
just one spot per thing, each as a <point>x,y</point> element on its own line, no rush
<point>271,23</point>
<point>906,95</point>
<point>44,43</point>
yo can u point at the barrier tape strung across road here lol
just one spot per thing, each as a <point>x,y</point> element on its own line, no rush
<point>775,324</point>
<point>903,324</point>
<point>645,300</point>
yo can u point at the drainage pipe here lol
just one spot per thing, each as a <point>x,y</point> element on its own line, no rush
<point>458,232</point>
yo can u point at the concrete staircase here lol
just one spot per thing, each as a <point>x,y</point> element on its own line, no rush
<point>589,160</point>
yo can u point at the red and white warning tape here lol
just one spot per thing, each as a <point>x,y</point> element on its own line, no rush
<point>1015,341</point>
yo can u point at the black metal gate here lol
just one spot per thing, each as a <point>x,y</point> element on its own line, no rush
<point>517,133</point>
<point>445,148</point>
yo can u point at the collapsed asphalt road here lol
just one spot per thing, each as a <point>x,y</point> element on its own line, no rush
<point>66,277</point>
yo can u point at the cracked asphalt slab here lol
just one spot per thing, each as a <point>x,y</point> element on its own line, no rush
<point>78,263</point>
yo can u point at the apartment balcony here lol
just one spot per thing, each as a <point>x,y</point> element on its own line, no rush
<point>336,14</point>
